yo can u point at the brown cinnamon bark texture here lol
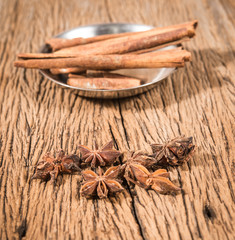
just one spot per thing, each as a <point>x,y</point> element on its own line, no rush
<point>72,55</point>
<point>136,43</point>
<point>56,71</point>
<point>103,81</point>
<point>59,43</point>
<point>148,60</point>
<point>174,43</point>
<point>142,40</point>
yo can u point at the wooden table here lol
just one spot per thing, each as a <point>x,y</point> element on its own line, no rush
<point>37,116</point>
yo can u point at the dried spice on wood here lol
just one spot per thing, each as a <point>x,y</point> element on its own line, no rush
<point>138,157</point>
<point>158,180</point>
<point>106,155</point>
<point>175,152</point>
<point>50,167</point>
<point>102,184</point>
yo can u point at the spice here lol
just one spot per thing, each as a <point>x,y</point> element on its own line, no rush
<point>138,157</point>
<point>103,81</point>
<point>27,56</point>
<point>158,180</point>
<point>130,50</point>
<point>102,184</point>
<point>174,152</point>
<point>136,41</point>
<point>167,58</point>
<point>80,70</point>
<point>50,167</point>
<point>59,43</point>
<point>105,155</point>
<point>134,167</point>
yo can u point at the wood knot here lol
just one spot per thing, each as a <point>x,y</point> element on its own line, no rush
<point>22,229</point>
<point>209,213</point>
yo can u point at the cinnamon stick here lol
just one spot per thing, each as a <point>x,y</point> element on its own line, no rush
<point>56,71</point>
<point>142,40</point>
<point>148,60</point>
<point>103,81</point>
<point>174,43</point>
<point>59,43</point>
<point>139,43</point>
<point>72,55</point>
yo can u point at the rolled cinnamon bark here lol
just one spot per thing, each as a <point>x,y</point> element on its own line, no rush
<point>59,43</point>
<point>73,55</point>
<point>79,70</point>
<point>147,50</point>
<point>142,40</point>
<point>107,81</point>
<point>148,60</point>
<point>188,29</point>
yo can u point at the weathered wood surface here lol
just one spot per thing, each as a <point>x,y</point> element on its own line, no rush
<point>37,116</point>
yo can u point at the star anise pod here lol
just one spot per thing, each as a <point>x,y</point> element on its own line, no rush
<point>158,180</point>
<point>102,184</point>
<point>50,167</point>
<point>106,155</point>
<point>138,157</point>
<point>175,152</point>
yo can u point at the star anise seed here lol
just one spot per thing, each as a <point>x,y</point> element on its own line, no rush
<point>158,180</point>
<point>102,184</point>
<point>175,152</point>
<point>50,167</point>
<point>106,155</point>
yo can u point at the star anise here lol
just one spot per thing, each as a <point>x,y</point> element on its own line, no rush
<point>106,155</point>
<point>158,180</point>
<point>138,157</point>
<point>50,167</point>
<point>102,184</point>
<point>175,152</point>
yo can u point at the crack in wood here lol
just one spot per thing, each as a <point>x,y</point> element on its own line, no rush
<point>128,187</point>
<point>22,229</point>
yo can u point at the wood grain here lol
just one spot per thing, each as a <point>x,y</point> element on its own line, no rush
<point>37,116</point>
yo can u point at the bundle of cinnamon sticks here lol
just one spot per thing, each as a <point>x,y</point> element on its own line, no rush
<point>101,54</point>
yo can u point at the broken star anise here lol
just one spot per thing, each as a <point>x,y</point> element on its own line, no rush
<point>158,180</point>
<point>175,152</point>
<point>102,184</point>
<point>50,167</point>
<point>138,157</point>
<point>106,155</point>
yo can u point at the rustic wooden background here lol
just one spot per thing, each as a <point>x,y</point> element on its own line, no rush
<point>37,116</point>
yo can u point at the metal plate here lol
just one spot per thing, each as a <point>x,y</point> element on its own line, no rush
<point>149,77</point>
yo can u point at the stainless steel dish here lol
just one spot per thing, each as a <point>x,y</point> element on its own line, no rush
<point>150,77</point>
